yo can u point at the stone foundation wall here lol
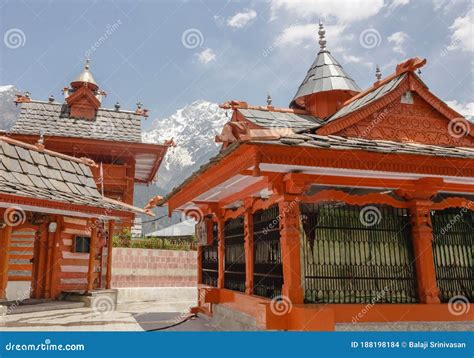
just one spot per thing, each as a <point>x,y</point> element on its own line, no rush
<point>153,268</point>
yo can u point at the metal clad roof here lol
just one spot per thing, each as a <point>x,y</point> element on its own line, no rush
<point>368,98</point>
<point>53,119</point>
<point>325,74</point>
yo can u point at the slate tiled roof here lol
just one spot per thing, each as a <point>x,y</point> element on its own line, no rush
<point>274,119</point>
<point>380,146</point>
<point>31,173</point>
<point>53,119</point>
<point>367,98</point>
<point>325,74</point>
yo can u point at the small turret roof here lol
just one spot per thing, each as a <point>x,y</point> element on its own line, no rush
<point>325,74</point>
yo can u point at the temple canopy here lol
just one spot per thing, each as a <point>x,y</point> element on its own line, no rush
<point>324,75</point>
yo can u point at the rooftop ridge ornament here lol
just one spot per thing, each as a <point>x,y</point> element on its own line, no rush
<point>322,37</point>
<point>378,73</point>
<point>269,100</point>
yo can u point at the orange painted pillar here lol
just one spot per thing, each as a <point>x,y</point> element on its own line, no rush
<point>56,259</point>
<point>92,253</point>
<point>290,233</point>
<point>40,262</point>
<point>199,264</point>
<point>110,246</point>
<point>422,234</point>
<point>220,252</point>
<point>5,240</point>
<point>249,253</point>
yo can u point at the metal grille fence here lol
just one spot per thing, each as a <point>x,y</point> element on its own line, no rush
<point>234,275</point>
<point>268,270</point>
<point>350,260</point>
<point>453,251</point>
<point>210,260</point>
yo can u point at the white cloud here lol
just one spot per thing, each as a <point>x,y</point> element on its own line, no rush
<point>398,39</point>
<point>298,34</point>
<point>207,55</point>
<point>462,36</point>
<point>397,3</point>
<point>242,19</point>
<point>350,11</point>
<point>466,109</point>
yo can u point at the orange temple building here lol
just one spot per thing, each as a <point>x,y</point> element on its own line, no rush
<point>350,206</point>
<point>76,128</point>
<point>54,222</point>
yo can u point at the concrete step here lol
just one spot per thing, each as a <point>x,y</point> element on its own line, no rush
<point>43,307</point>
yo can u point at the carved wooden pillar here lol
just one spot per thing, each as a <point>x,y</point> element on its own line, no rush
<point>92,253</point>
<point>5,240</point>
<point>110,246</point>
<point>290,234</point>
<point>220,252</point>
<point>56,259</point>
<point>423,246</point>
<point>248,245</point>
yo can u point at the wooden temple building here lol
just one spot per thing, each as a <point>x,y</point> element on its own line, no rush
<point>349,206</point>
<point>53,197</point>
<point>77,127</point>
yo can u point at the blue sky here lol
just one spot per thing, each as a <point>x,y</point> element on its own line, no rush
<point>167,54</point>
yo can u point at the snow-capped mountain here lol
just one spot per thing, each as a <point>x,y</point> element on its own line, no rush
<point>8,110</point>
<point>193,129</point>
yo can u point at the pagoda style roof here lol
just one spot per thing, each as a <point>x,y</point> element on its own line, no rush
<point>325,74</point>
<point>50,178</point>
<point>53,119</point>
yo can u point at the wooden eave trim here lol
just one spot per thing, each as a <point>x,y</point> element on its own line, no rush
<point>351,199</point>
<point>453,202</point>
<point>365,160</point>
<point>94,211</point>
<point>239,159</point>
<point>133,147</point>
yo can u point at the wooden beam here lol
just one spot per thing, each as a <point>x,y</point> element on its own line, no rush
<point>5,239</point>
<point>56,259</point>
<point>92,253</point>
<point>108,277</point>
<point>249,247</point>
<point>221,252</point>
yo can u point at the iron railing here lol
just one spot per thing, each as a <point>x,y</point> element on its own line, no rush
<point>210,260</point>
<point>267,270</point>
<point>453,252</point>
<point>234,275</point>
<point>352,257</point>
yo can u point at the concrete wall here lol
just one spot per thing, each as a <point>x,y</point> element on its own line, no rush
<point>153,268</point>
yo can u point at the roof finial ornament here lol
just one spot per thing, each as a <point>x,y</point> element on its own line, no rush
<point>117,106</point>
<point>87,64</point>
<point>322,38</point>
<point>269,100</point>
<point>378,73</point>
